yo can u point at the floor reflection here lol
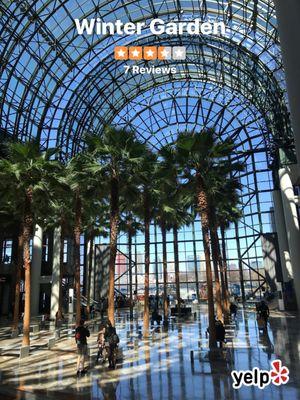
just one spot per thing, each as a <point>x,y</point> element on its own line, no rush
<point>160,367</point>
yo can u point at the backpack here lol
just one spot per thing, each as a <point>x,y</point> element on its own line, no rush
<point>78,337</point>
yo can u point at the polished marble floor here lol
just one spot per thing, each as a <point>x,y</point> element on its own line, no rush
<point>160,367</point>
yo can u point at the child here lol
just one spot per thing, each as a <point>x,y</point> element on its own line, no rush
<point>101,342</point>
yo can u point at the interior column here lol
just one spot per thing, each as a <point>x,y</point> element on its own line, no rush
<point>288,13</point>
<point>37,249</point>
<point>55,272</point>
<point>291,224</point>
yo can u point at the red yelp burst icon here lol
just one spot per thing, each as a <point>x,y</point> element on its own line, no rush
<point>279,374</point>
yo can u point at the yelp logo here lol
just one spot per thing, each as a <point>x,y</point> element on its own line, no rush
<point>279,375</point>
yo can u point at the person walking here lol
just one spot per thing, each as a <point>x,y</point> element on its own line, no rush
<point>113,340</point>
<point>81,335</point>
<point>233,309</point>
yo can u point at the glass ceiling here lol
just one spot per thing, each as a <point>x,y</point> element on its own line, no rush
<point>57,85</point>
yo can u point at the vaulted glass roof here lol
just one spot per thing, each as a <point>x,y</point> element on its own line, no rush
<point>58,85</point>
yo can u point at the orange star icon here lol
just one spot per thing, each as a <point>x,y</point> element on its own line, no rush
<point>135,53</point>
<point>150,53</point>
<point>121,53</point>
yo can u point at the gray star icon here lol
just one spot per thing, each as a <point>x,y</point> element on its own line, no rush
<point>179,53</point>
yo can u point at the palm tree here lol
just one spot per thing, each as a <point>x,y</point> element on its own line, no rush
<point>161,221</point>
<point>18,270</point>
<point>216,258</point>
<point>130,225</point>
<point>144,209</point>
<point>28,169</point>
<point>182,217</point>
<point>83,181</point>
<point>227,212</point>
<point>166,177</point>
<point>175,204</point>
<point>171,212</point>
<point>200,155</point>
<point>95,224</point>
<point>59,215</point>
<point>117,153</point>
<point>11,218</point>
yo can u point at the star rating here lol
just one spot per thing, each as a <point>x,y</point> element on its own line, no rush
<point>121,53</point>
<point>135,53</point>
<point>150,53</point>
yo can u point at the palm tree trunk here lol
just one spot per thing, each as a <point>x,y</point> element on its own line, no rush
<point>27,228</point>
<point>165,270</point>
<point>77,233</point>
<point>226,305</point>
<point>19,266</point>
<point>176,265</point>
<point>224,261</point>
<point>196,266</point>
<point>135,268</point>
<point>204,213</point>
<point>90,267</point>
<point>114,223</point>
<point>147,263</point>
<point>215,257</point>
<point>130,272</point>
<point>61,269</point>
<point>224,256</point>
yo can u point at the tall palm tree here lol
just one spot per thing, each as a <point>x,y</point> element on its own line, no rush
<point>227,211</point>
<point>83,181</point>
<point>221,305</point>
<point>130,225</point>
<point>118,154</point>
<point>28,169</point>
<point>171,213</point>
<point>18,274</point>
<point>95,225</point>
<point>217,197</point>
<point>182,217</point>
<point>144,209</point>
<point>175,203</point>
<point>166,177</point>
<point>11,218</point>
<point>59,215</point>
<point>200,155</point>
<point>161,221</point>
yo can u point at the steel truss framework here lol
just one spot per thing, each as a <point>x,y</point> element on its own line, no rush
<point>58,85</point>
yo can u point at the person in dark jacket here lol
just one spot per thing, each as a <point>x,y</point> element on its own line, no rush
<point>233,309</point>
<point>220,332</point>
<point>156,318</point>
<point>81,335</point>
<point>112,339</point>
